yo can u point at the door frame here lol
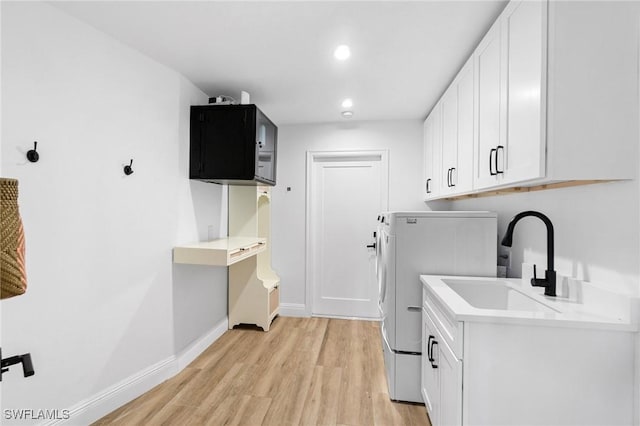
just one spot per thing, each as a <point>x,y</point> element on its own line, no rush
<point>315,156</point>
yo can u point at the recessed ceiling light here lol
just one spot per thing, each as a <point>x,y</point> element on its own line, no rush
<point>347,114</point>
<point>347,103</point>
<point>342,52</point>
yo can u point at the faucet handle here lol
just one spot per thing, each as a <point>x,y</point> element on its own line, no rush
<point>537,282</point>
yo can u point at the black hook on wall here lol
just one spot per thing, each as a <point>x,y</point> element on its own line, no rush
<point>25,360</point>
<point>32,154</point>
<point>127,169</point>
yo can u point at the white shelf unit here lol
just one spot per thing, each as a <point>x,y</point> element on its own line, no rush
<point>254,288</point>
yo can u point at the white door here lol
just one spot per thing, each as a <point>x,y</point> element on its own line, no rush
<point>346,193</point>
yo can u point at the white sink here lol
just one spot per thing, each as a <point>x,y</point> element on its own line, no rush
<point>495,294</point>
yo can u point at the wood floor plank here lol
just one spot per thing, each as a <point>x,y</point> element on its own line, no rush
<point>239,410</point>
<point>235,383</point>
<point>385,413</point>
<point>304,371</point>
<point>335,345</point>
<point>172,414</point>
<point>143,408</point>
<point>295,380</point>
<point>321,405</point>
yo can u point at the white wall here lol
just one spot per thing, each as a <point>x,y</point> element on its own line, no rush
<point>596,231</point>
<point>403,139</point>
<point>104,301</point>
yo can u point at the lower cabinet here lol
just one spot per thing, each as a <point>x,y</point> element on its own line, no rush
<point>441,376</point>
<point>476,372</point>
<point>253,297</point>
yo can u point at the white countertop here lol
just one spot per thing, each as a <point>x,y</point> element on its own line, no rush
<point>586,306</point>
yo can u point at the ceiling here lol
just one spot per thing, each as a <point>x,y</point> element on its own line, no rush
<point>404,53</point>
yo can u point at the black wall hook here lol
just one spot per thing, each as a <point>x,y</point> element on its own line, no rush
<point>32,154</point>
<point>127,169</point>
<point>25,360</point>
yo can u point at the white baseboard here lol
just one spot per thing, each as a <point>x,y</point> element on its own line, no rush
<point>189,354</point>
<point>93,408</point>
<point>377,319</point>
<point>293,310</point>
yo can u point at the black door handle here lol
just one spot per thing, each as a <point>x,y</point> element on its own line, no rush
<point>429,347</point>
<point>491,172</point>
<point>431,359</point>
<point>452,170</point>
<point>428,186</point>
<point>371,245</point>
<point>498,148</point>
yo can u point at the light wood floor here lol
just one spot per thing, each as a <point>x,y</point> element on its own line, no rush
<point>304,371</point>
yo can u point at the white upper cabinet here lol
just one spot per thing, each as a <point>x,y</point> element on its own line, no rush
<point>432,146</point>
<point>449,140</point>
<point>456,174</point>
<point>511,60</point>
<point>524,27</point>
<point>466,116</point>
<point>490,95</point>
<point>553,103</point>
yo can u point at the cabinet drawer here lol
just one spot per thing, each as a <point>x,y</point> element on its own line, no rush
<point>247,251</point>
<point>451,331</point>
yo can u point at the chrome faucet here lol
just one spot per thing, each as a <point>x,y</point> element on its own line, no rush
<point>549,280</point>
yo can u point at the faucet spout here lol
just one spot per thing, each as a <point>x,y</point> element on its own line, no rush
<point>549,281</point>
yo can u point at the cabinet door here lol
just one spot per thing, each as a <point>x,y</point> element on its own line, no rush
<point>430,375</point>
<point>449,139</point>
<point>219,136</point>
<point>490,95</point>
<point>427,158</point>
<point>266,140</point>
<point>511,64</point>
<point>433,152</point>
<point>450,386</point>
<point>463,175</point>
<point>524,27</point>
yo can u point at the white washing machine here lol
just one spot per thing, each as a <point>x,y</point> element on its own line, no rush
<point>409,244</point>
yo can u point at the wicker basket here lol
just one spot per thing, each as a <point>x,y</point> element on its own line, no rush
<point>13,277</point>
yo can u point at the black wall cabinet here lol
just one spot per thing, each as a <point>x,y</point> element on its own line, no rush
<point>232,144</point>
